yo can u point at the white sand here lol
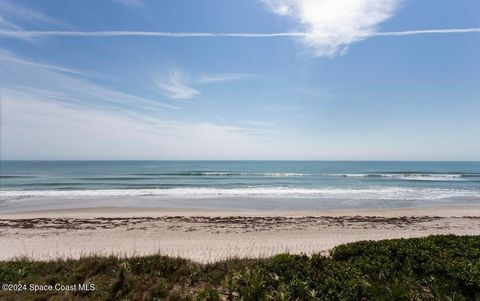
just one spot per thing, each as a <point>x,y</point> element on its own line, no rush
<point>211,235</point>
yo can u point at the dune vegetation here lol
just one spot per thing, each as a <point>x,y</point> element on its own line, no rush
<point>431,268</point>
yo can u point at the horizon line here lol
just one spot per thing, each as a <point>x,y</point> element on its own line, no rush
<point>238,160</point>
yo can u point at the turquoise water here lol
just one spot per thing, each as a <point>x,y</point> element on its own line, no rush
<point>236,184</point>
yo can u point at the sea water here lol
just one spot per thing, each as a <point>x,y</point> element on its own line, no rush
<point>272,185</point>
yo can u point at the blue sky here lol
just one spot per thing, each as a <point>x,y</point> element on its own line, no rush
<point>344,80</point>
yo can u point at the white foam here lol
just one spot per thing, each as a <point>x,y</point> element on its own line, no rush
<point>400,193</point>
<point>408,176</point>
<point>283,174</point>
<point>265,174</point>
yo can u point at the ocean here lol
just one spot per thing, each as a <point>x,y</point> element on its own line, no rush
<point>243,185</point>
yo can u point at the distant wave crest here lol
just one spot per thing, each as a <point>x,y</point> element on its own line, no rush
<point>224,173</point>
<point>413,176</point>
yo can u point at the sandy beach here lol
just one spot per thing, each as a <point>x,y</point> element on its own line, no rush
<point>211,235</point>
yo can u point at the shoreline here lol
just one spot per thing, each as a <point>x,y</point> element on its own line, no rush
<point>207,235</point>
<point>95,212</point>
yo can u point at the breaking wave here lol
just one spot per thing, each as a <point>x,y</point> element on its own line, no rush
<point>400,193</point>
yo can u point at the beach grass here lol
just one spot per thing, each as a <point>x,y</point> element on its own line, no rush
<point>441,267</point>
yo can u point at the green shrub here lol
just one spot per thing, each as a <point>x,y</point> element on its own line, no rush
<point>430,268</point>
<point>208,294</point>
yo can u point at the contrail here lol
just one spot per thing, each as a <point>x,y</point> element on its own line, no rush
<point>100,34</point>
<point>425,31</point>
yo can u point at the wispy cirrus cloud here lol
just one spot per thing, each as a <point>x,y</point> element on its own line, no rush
<point>225,77</point>
<point>33,126</point>
<point>175,84</point>
<point>61,84</point>
<point>259,123</point>
<point>49,111</point>
<point>333,25</point>
<point>7,24</point>
<point>8,57</point>
<point>13,17</point>
<point>10,10</point>
<point>44,124</point>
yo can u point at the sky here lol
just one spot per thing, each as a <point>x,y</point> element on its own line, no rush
<point>246,80</point>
